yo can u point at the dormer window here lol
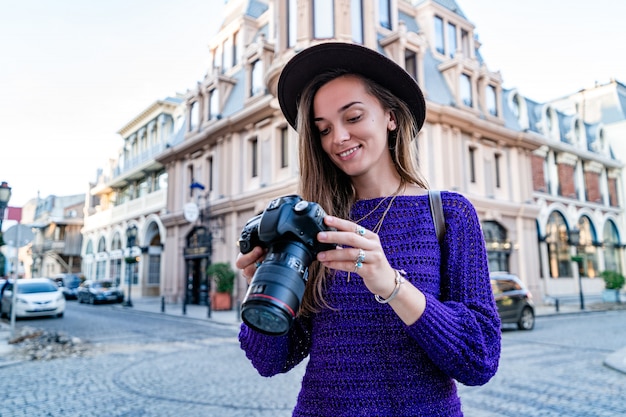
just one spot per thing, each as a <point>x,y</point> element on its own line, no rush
<point>451,40</point>
<point>256,78</point>
<point>194,116</point>
<point>465,90</point>
<point>491,100</point>
<point>214,106</point>
<point>439,38</point>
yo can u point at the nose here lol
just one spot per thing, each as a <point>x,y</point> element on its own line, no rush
<point>341,135</point>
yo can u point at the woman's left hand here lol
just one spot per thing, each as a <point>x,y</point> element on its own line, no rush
<point>360,252</point>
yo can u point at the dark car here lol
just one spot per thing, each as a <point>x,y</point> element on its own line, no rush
<point>514,300</point>
<point>69,283</point>
<point>94,292</point>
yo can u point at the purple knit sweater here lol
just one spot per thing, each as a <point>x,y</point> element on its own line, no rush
<point>363,360</point>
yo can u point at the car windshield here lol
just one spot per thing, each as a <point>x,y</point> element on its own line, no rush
<point>103,284</point>
<point>34,287</point>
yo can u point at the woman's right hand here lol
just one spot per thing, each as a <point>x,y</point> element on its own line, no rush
<point>248,263</point>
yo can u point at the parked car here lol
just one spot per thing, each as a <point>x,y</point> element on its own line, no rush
<point>103,291</point>
<point>35,297</point>
<point>514,300</point>
<point>69,284</point>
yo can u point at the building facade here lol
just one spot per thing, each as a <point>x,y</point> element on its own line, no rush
<point>534,171</point>
<point>129,196</point>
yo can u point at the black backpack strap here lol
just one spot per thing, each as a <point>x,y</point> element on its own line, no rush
<point>436,210</point>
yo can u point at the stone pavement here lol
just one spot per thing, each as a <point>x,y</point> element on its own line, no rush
<point>155,305</point>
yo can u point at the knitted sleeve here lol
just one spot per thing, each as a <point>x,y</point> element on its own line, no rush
<point>271,355</point>
<point>460,330</point>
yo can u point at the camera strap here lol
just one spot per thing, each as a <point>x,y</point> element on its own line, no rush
<point>436,210</point>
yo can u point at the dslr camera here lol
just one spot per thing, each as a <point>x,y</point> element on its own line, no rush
<point>287,228</point>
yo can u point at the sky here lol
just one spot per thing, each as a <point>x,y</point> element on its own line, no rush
<point>74,72</point>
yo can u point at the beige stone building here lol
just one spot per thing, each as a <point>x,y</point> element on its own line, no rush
<point>512,157</point>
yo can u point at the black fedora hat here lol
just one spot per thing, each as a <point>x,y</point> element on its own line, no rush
<point>354,58</point>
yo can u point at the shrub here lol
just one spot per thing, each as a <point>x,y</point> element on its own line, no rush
<point>612,280</point>
<point>223,275</point>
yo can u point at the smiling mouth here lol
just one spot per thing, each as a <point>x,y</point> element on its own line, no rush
<point>349,152</point>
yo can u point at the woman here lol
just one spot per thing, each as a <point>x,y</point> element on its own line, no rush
<point>389,319</point>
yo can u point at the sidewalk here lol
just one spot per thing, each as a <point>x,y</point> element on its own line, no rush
<point>154,305</point>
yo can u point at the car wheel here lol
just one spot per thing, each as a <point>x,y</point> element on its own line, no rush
<point>527,319</point>
<point>60,315</point>
<point>92,299</point>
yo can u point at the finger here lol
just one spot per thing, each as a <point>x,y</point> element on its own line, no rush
<point>245,260</point>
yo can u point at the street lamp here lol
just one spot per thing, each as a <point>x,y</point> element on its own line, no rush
<point>131,237</point>
<point>5,196</point>
<point>574,240</point>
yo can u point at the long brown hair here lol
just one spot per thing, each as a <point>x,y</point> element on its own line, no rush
<point>322,182</point>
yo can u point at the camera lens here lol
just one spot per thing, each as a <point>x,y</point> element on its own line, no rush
<point>276,290</point>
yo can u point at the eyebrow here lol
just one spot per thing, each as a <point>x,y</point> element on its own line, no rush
<point>343,108</point>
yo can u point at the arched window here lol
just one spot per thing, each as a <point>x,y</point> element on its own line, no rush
<point>558,246</point>
<point>587,249</point>
<point>498,246</point>
<point>611,246</point>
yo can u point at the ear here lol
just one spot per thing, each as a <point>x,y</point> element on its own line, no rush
<point>391,124</point>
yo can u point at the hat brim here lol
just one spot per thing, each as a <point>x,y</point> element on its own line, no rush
<point>354,58</point>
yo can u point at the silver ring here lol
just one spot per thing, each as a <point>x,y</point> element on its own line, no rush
<point>357,265</point>
<point>360,230</point>
<point>361,257</point>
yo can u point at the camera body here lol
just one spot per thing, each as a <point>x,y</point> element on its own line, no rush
<point>287,228</point>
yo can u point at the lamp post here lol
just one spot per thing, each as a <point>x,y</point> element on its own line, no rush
<point>131,237</point>
<point>5,196</point>
<point>574,240</point>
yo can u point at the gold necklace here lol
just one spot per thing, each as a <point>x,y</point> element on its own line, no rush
<point>395,193</point>
<point>376,228</point>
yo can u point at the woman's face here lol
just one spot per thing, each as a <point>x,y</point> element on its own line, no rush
<point>353,127</point>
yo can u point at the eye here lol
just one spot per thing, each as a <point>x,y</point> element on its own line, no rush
<point>323,131</point>
<point>354,117</point>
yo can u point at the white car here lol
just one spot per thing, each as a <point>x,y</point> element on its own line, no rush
<point>35,297</point>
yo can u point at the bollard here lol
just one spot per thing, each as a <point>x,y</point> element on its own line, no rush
<point>556,304</point>
<point>162,304</point>
<point>208,304</point>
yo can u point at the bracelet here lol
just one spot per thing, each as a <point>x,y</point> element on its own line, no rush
<point>399,280</point>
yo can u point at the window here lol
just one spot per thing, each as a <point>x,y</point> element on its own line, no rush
<point>498,246</point>
<point>586,248</point>
<point>439,45</point>
<point>154,269</point>
<point>253,157</point>
<point>356,20</point>
<point>214,107</point>
<point>472,164</point>
<point>410,63</point>
<point>161,182</point>
<point>323,19</point>
<point>384,13</point>
<point>497,158</point>
<point>227,54</point>
<point>194,116</point>
<point>492,107</point>
<point>612,251</point>
<point>235,49</point>
<point>256,84</point>
<point>292,23</point>
<point>466,90</point>
<point>558,246</point>
<point>451,40</point>
<point>284,147</point>
<point>465,44</point>
<point>210,163</point>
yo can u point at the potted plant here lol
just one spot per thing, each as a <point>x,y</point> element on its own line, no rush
<point>613,283</point>
<point>224,277</point>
